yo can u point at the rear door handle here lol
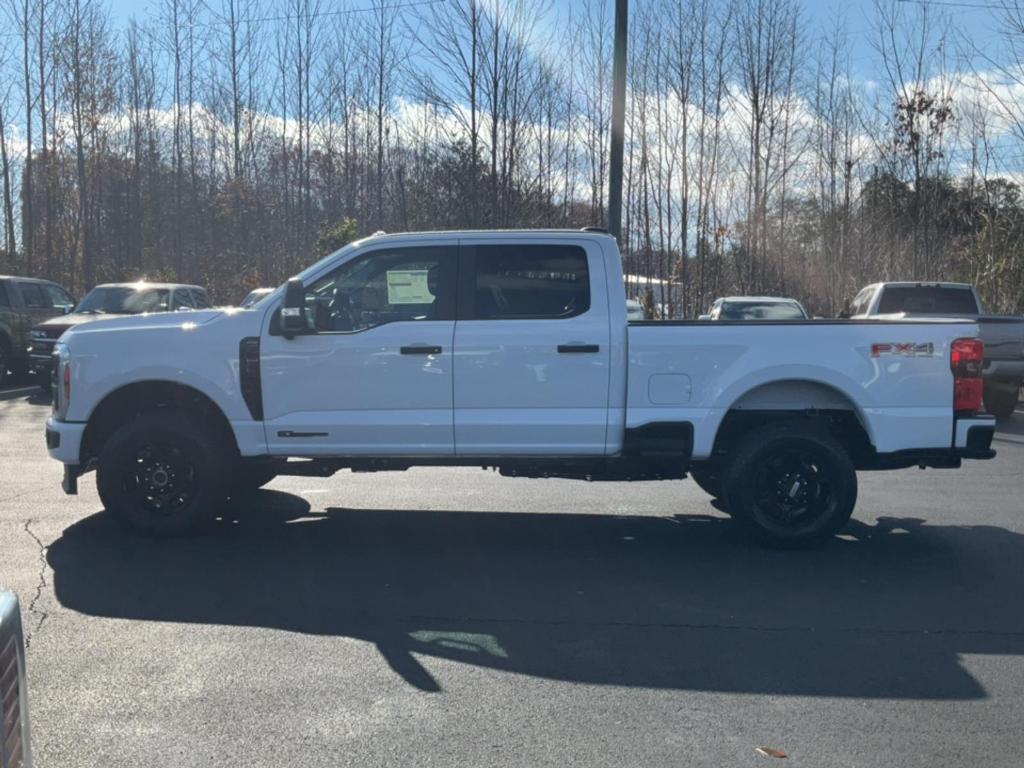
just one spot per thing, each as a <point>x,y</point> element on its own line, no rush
<point>568,349</point>
<point>420,350</point>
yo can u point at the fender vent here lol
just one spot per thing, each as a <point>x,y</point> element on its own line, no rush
<point>249,375</point>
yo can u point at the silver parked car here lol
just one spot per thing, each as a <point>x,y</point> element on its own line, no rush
<point>756,308</point>
<point>254,296</point>
<point>635,310</point>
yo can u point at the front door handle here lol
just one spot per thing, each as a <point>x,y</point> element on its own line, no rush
<point>420,350</point>
<point>568,349</point>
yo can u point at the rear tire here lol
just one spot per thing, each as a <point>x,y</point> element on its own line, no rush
<point>1000,398</point>
<point>790,485</point>
<point>162,475</point>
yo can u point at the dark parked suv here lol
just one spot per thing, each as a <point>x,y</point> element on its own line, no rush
<point>24,303</point>
<point>112,300</point>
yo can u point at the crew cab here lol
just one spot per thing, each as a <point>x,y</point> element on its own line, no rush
<point>508,350</point>
<point>1003,336</point>
<point>110,300</point>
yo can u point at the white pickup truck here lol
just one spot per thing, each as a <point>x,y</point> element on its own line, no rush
<point>507,350</point>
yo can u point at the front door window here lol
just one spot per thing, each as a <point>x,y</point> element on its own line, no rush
<point>383,286</point>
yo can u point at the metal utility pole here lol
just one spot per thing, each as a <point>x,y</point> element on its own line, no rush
<point>618,120</point>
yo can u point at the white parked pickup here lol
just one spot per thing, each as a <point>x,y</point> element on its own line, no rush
<point>510,350</point>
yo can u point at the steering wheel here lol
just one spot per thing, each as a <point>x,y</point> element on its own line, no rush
<point>341,311</point>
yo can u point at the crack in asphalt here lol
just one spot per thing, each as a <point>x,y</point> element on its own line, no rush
<point>32,610</point>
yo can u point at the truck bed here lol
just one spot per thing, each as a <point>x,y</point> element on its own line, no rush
<point>697,371</point>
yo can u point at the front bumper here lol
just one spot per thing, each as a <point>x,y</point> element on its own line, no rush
<point>64,440</point>
<point>40,363</point>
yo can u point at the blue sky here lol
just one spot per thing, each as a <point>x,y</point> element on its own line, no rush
<point>977,19</point>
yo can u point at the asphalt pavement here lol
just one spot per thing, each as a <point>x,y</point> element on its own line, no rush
<point>452,617</point>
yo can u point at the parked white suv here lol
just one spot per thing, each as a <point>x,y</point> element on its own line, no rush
<point>509,350</point>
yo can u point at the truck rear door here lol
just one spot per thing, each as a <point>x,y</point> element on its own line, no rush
<point>532,349</point>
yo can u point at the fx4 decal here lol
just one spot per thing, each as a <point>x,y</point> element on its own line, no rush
<point>907,349</point>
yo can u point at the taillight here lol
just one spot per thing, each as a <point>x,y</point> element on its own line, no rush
<point>965,359</point>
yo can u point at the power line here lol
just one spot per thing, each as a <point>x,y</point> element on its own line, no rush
<point>291,17</point>
<point>323,14</point>
<point>955,4</point>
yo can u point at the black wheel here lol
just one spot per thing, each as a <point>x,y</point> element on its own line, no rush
<point>162,475</point>
<point>790,485</point>
<point>249,476</point>
<point>708,478</point>
<point>1001,398</point>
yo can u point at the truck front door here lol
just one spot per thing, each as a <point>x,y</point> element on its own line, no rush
<point>531,349</point>
<point>374,374</point>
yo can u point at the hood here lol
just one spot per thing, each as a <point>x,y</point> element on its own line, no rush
<point>87,323</point>
<point>55,326</point>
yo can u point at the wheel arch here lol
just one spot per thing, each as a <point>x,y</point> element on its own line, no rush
<point>813,400</point>
<point>126,402</point>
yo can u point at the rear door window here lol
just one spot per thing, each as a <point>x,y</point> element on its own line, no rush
<point>199,299</point>
<point>183,299</point>
<point>32,296</point>
<point>928,300</point>
<point>516,282</point>
<point>761,310</point>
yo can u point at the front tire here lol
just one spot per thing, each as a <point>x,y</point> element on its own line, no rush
<point>790,485</point>
<point>162,475</point>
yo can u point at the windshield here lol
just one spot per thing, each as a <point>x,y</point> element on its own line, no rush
<point>928,300</point>
<point>124,300</point>
<point>762,310</point>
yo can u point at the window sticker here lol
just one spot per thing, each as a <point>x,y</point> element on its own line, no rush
<point>409,286</point>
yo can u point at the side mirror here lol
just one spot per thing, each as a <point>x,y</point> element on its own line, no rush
<point>844,315</point>
<point>704,317</point>
<point>293,311</point>
<point>68,309</point>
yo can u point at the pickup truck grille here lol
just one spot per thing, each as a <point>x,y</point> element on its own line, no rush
<point>13,749</point>
<point>43,346</point>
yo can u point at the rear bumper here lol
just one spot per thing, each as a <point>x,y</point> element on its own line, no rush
<point>972,439</point>
<point>973,436</point>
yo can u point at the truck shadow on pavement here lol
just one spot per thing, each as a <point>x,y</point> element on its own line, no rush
<point>662,602</point>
